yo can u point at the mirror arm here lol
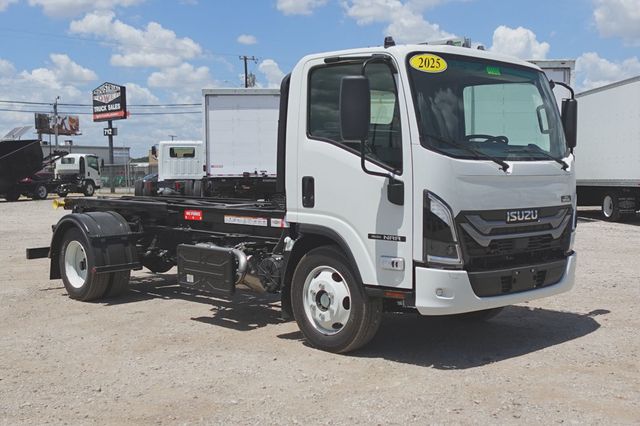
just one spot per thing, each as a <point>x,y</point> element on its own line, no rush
<point>565,85</point>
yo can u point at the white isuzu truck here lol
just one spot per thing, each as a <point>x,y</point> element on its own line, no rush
<point>426,178</point>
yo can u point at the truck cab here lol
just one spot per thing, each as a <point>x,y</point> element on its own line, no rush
<point>78,173</point>
<point>459,186</point>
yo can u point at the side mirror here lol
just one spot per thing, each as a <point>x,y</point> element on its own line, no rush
<point>395,192</point>
<point>154,151</point>
<point>355,108</point>
<point>102,163</point>
<point>570,121</point>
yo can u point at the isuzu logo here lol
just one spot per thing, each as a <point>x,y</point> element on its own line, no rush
<point>514,216</point>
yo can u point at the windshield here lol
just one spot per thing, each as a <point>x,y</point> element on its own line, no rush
<point>474,108</point>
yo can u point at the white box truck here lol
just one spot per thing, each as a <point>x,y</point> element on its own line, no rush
<point>238,155</point>
<point>426,178</point>
<point>608,153</point>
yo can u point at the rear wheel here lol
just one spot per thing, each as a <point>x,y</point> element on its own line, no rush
<point>610,207</point>
<point>197,188</point>
<point>89,189</point>
<point>40,192</point>
<point>76,262</point>
<point>329,303</point>
<point>12,194</point>
<point>138,188</point>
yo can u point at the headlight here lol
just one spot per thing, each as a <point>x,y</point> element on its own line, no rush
<point>441,247</point>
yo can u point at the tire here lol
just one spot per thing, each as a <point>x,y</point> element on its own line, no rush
<point>197,188</point>
<point>89,189</point>
<point>13,194</point>
<point>478,316</point>
<point>118,283</point>
<point>40,192</point>
<point>156,264</point>
<point>321,277</point>
<point>138,188</point>
<point>76,261</point>
<point>610,207</point>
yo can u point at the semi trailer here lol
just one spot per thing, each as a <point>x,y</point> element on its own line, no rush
<point>608,172</point>
<point>419,178</point>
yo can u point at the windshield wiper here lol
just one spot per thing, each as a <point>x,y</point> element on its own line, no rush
<point>477,154</point>
<point>535,149</point>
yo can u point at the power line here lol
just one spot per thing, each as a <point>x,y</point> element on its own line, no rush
<point>89,105</point>
<point>90,113</point>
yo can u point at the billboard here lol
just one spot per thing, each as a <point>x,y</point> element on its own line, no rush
<point>67,124</point>
<point>109,102</point>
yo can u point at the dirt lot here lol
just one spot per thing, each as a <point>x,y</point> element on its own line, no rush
<point>160,355</point>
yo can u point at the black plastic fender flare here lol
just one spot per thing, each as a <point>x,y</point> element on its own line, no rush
<point>112,243</point>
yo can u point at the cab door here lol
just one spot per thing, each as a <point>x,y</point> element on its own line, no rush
<point>335,195</point>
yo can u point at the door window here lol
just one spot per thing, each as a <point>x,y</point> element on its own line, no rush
<point>384,145</point>
<point>92,162</point>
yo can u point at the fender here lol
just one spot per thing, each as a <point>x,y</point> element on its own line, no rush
<point>310,237</point>
<point>109,236</point>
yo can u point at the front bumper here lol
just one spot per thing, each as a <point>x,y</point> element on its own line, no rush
<point>444,292</point>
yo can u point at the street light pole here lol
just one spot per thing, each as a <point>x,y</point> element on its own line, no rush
<point>55,116</point>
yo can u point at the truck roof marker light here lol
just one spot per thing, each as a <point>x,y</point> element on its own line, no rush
<point>389,42</point>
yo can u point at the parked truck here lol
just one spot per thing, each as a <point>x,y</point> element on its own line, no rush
<point>78,173</point>
<point>608,172</point>
<point>426,178</point>
<point>237,157</point>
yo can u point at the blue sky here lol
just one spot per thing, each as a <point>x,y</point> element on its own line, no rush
<point>167,51</point>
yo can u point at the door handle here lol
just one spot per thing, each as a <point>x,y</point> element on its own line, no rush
<point>308,192</point>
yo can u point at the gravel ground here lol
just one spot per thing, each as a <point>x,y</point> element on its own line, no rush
<point>161,355</point>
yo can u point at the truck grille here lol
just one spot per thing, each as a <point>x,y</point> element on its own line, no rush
<point>488,242</point>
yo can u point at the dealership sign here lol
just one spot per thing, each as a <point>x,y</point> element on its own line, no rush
<point>109,102</point>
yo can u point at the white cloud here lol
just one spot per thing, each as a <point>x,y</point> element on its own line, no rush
<point>68,71</point>
<point>406,23</point>
<point>4,4</point>
<point>67,8</point>
<point>618,18</point>
<point>184,76</point>
<point>593,71</point>
<point>272,72</point>
<point>246,39</point>
<point>299,7</point>
<point>137,94</point>
<point>153,46</point>
<point>520,42</point>
<point>6,68</point>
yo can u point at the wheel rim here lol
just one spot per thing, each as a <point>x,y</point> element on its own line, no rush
<point>327,300</point>
<point>607,206</point>
<point>42,192</point>
<point>89,189</point>
<point>75,264</point>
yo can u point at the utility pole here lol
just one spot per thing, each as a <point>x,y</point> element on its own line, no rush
<point>246,73</point>
<point>172,137</point>
<point>55,116</point>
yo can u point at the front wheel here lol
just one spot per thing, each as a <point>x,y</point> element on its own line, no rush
<point>329,303</point>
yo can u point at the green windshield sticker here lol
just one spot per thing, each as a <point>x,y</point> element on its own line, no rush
<point>493,70</point>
